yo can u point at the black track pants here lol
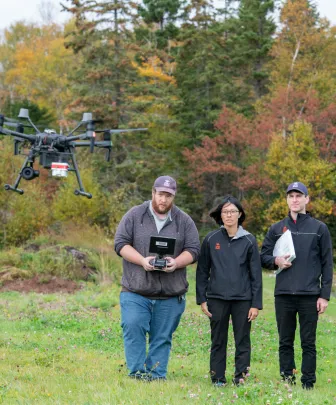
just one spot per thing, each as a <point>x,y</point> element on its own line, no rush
<point>287,307</point>
<point>221,311</point>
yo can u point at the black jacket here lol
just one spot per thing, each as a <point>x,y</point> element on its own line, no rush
<point>311,271</point>
<point>229,270</point>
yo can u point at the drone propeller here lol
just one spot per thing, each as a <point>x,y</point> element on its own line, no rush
<point>119,131</point>
<point>16,124</point>
<point>10,119</point>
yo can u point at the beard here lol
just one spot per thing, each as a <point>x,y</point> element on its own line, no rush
<point>162,208</point>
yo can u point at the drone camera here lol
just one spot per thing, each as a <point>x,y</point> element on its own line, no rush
<point>28,173</point>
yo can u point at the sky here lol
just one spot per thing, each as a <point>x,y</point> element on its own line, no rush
<point>12,11</point>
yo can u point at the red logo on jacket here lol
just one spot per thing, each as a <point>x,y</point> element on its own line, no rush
<point>284,229</point>
<point>217,247</point>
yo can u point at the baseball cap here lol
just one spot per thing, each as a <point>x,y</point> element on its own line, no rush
<point>165,183</point>
<point>297,186</point>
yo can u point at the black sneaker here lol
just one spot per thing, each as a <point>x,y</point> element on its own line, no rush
<point>151,378</point>
<point>139,376</point>
<point>307,386</point>
<point>289,379</point>
<point>219,384</point>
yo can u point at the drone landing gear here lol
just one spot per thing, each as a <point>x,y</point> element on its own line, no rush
<point>27,172</point>
<point>83,193</point>
<point>11,188</point>
<point>81,190</point>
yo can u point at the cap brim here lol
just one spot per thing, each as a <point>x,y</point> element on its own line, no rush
<point>296,189</point>
<point>165,189</point>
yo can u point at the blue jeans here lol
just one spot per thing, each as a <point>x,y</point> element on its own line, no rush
<point>157,318</point>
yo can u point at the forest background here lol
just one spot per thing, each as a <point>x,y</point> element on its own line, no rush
<point>235,101</point>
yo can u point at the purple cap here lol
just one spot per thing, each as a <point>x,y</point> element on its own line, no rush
<point>297,186</point>
<point>165,183</point>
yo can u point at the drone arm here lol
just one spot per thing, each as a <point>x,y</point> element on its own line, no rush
<point>99,144</point>
<point>32,124</point>
<point>30,138</point>
<point>76,137</point>
<point>75,129</point>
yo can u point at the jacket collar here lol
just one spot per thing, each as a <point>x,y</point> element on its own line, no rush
<point>300,217</point>
<point>240,232</point>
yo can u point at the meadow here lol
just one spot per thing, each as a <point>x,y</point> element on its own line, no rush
<point>67,349</point>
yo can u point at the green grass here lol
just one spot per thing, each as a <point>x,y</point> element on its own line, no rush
<point>67,349</point>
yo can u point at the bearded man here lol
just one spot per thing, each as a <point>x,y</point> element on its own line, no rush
<point>152,301</point>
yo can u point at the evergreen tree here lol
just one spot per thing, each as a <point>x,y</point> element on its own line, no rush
<point>249,42</point>
<point>201,69</point>
<point>159,18</point>
<point>103,40</point>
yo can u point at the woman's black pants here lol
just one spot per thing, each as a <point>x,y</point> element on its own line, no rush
<point>221,311</point>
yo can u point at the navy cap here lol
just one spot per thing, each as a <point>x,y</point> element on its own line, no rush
<point>165,183</point>
<point>297,186</point>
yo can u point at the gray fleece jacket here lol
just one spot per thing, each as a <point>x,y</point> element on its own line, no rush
<point>135,229</point>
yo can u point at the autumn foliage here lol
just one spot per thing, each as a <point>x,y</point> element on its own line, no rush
<point>232,106</point>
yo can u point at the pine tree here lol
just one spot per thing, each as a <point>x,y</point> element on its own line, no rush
<point>103,41</point>
<point>201,66</point>
<point>249,42</point>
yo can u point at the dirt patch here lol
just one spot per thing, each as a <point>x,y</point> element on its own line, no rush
<point>41,285</point>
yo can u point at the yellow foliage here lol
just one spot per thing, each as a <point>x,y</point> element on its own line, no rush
<point>27,215</point>
<point>67,206</point>
<point>296,158</point>
<point>39,70</point>
<point>155,69</point>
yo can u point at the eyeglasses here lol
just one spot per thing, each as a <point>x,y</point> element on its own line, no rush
<point>231,212</point>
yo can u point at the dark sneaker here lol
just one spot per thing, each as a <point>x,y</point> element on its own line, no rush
<point>151,378</point>
<point>289,379</point>
<point>219,384</point>
<point>139,376</point>
<point>238,381</point>
<point>308,386</point>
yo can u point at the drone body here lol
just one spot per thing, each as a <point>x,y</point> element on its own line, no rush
<point>55,151</point>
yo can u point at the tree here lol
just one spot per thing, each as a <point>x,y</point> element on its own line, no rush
<point>249,41</point>
<point>103,39</point>
<point>201,66</point>
<point>304,54</point>
<point>297,158</point>
<point>159,17</point>
<point>39,68</point>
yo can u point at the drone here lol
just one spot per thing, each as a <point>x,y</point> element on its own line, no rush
<point>55,151</point>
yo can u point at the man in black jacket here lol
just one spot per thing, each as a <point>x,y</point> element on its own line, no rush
<point>303,287</point>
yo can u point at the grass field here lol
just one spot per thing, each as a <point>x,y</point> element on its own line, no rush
<point>67,349</point>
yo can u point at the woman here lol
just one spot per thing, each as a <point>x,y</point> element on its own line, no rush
<point>229,283</point>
